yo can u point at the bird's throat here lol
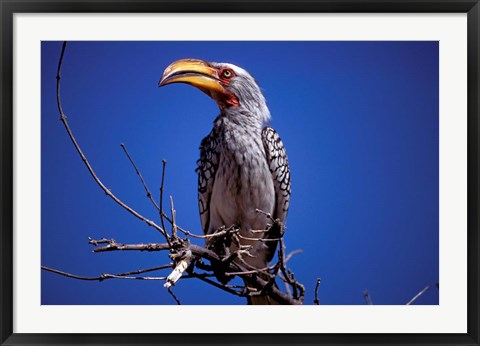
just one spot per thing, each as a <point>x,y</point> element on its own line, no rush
<point>225,100</point>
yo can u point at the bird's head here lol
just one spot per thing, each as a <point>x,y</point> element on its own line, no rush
<point>230,86</point>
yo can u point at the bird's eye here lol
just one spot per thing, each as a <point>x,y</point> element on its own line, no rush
<point>227,73</point>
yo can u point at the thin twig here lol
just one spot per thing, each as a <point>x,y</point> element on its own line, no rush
<point>298,289</point>
<point>139,174</point>
<point>249,272</point>
<point>59,70</point>
<point>268,215</point>
<point>418,295</point>
<point>174,216</point>
<point>108,276</point>
<point>173,295</point>
<point>147,190</point>
<point>262,240</point>
<point>215,284</point>
<point>162,214</point>
<point>316,300</point>
<point>367,297</point>
<point>291,254</point>
<point>137,171</point>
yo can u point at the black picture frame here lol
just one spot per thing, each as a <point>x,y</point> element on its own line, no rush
<point>10,7</point>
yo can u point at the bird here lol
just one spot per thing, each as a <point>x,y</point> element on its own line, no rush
<point>243,166</point>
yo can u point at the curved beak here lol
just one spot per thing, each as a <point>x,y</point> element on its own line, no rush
<point>194,72</point>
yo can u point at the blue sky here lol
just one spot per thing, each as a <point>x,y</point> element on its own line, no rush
<point>360,124</point>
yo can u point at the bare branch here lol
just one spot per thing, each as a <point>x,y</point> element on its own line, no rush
<point>366,296</point>
<point>137,171</point>
<point>262,240</point>
<point>109,276</point>
<point>316,300</point>
<point>162,214</point>
<point>220,286</point>
<point>59,70</point>
<point>254,271</point>
<point>180,268</point>
<point>132,247</point>
<point>291,254</point>
<point>174,215</point>
<point>173,295</point>
<point>418,295</point>
<point>268,215</point>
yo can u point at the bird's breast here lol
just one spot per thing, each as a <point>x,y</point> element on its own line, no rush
<point>243,183</point>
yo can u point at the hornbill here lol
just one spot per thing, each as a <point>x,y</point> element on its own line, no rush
<point>243,164</point>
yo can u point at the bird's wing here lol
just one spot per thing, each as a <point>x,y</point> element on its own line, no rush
<point>207,168</point>
<point>278,164</point>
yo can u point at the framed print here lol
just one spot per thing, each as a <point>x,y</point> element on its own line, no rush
<point>328,166</point>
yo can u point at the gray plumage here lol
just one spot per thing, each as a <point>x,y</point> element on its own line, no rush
<point>243,166</point>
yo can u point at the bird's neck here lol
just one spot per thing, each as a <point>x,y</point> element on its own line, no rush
<point>241,116</point>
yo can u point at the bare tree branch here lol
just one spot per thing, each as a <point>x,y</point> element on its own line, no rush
<point>108,276</point>
<point>316,301</point>
<point>162,184</point>
<point>411,301</point>
<point>174,216</point>
<point>366,296</point>
<point>174,296</point>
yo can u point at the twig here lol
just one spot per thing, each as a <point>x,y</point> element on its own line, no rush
<point>291,254</point>
<point>205,236</point>
<point>162,214</point>
<point>268,215</point>
<point>174,216</point>
<point>100,241</point>
<point>262,240</point>
<point>418,295</point>
<point>173,295</point>
<point>249,272</point>
<point>197,251</point>
<point>180,268</point>
<point>215,284</point>
<point>107,191</point>
<point>59,70</point>
<point>316,300</point>
<point>366,296</point>
<point>298,289</point>
<point>108,276</point>
<point>133,247</point>
<point>147,190</point>
<point>137,171</point>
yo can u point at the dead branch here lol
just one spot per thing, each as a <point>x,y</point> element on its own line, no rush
<point>316,301</point>
<point>162,184</point>
<point>173,295</point>
<point>109,276</point>
<point>113,246</point>
<point>366,296</point>
<point>411,301</point>
<point>137,171</point>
